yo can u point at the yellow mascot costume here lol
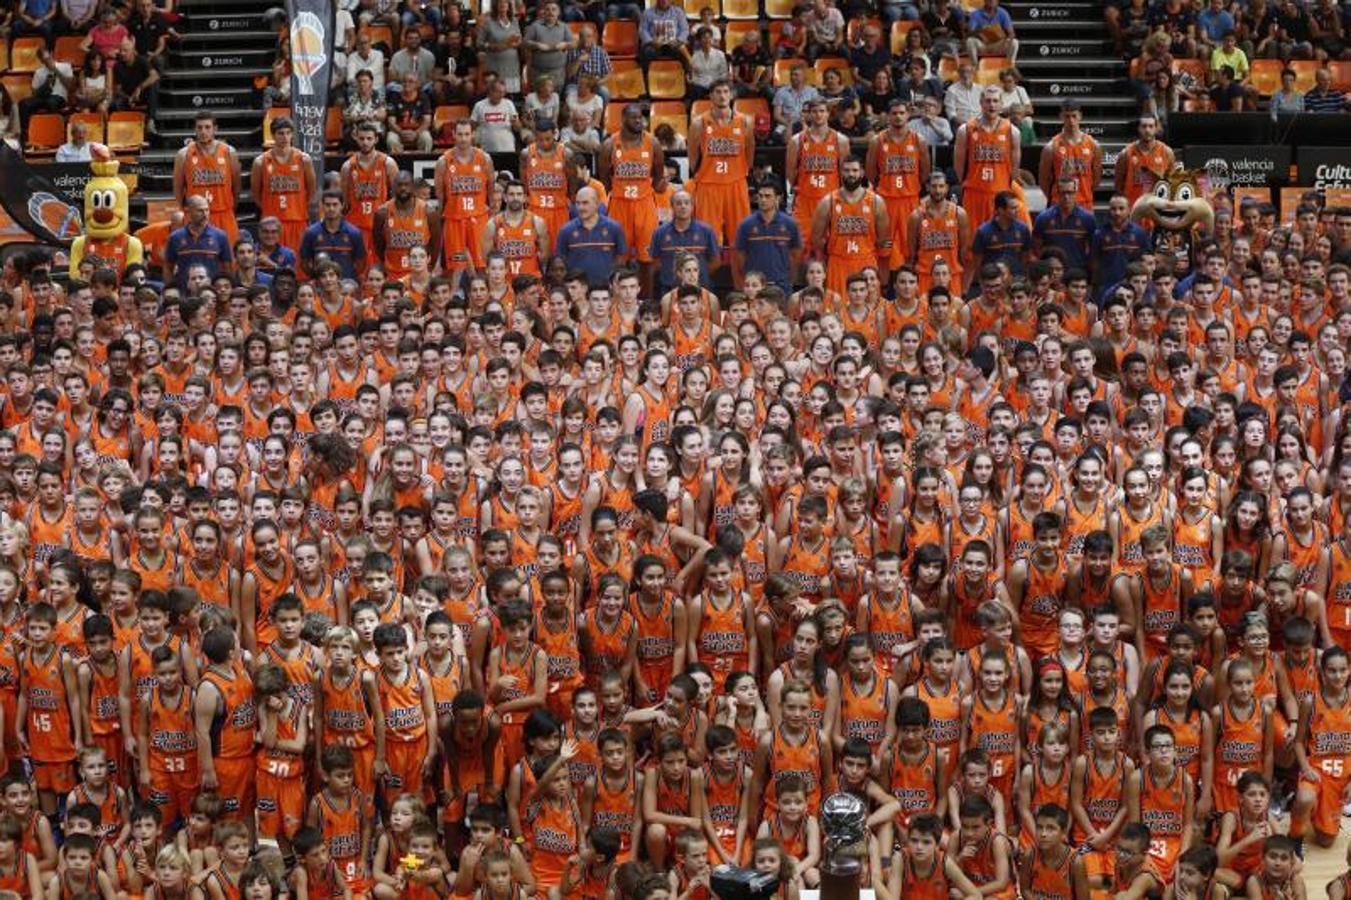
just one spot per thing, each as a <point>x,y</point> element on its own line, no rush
<point>107,218</point>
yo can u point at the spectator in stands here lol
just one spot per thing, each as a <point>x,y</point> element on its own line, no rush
<point>580,136</point>
<point>899,11</point>
<point>663,32</point>
<point>1229,54</point>
<point>591,243</point>
<point>588,58</point>
<point>417,13</point>
<point>1132,27</point>
<point>151,30</point>
<point>990,32</point>
<point>36,17</point>
<point>587,99</point>
<point>412,59</point>
<point>752,68</point>
<point>543,102</point>
<point>826,31</point>
<point>789,101</point>
<point>1213,23</point>
<point>835,92</point>
<point>9,120</point>
<point>927,122</point>
<point>1324,98</point>
<point>278,90</point>
<point>1175,20</point>
<point>916,47</point>
<point>1066,226</point>
<point>499,38</point>
<point>334,239</point>
<point>496,119</point>
<point>198,243</point>
<point>708,65</point>
<point>410,118</point>
<point>1012,93</point>
<point>684,236</point>
<point>961,101</point>
<point>876,99</point>
<point>1328,29</point>
<point>945,28</point>
<point>77,16</point>
<point>76,148</point>
<point>870,56</point>
<point>93,85</point>
<point>1287,100</point>
<point>768,241</point>
<point>52,83</point>
<point>368,59</point>
<point>365,104</point>
<point>793,37</point>
<point>107,36</point>
<point>460,68</point>
<point>547,42</point>
<point>135,81</point>
<point>1226,94</point>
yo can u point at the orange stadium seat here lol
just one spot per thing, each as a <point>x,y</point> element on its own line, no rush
<point>443,116</point>
<point>1195,67</point>
<point>1197,104</point>
<point>823,65</point>
<point>898,32</point>
<point>575,28</point>
<point>666,80</point>
<point>126,131</point>
<point>671,112</point>
<point>854,31</point>
<point>775,33</point>
<point>783,67</point>
<point>700,108</point>
<point>947,69</point>
<point>274,113</point>
<point>693,7</point>
<point>779,9</point>
<point>736,32</point>
<point>68,50</point>
<point>988,70</point>
<point>4,55</point>
<point>46,132</point>
<point>1341,74</point>
<point>23,54</point>
<point>19,87</point>
<point>620,39</point>
<point>92,120</point>
<point>614,117</point>
<point>626,82</point>
<point>1304,73</point>
<point>333,126</point>
<point>380,34</point>
<point>1265,76</point>
<point>752,106</point>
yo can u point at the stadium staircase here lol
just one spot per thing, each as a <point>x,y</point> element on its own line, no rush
<point>1066,52</point>
<point>226,46</point>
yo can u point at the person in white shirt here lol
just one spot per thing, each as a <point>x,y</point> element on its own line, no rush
<point>961,103</point>
<point>708,64</point>
<point>496,119</point>
<point>77,148</point>
<point>369,58</point>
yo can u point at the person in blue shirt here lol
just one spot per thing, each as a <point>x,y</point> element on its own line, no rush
<point>335,238</point>
<point>1004,239</point>
<point>272,253</point>
<point>198,242</point>
<point>589,242</point>
<point>683,234</point>
<point>1067,226</point>
<point>981,42</point>
<point>1117,243</point>
<point>768,241</point>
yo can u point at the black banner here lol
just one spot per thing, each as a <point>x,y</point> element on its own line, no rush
<point>311,61</point>
<point>45,204</point>
<point>1323,167</point>
<point>1240,166</point>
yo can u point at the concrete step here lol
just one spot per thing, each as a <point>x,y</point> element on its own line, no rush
<point>1033,64</point>
<point>210,21</point>
<point>1090,101</point>
<point>218,99</point>
<point>222,57</point>
<point>1059,87</point>
<point>238,118</point>
<point>180,132</point>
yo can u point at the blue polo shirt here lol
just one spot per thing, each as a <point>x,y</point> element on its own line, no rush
<point>1113,249</point>
<point>591,250</point>
<point>346,246</point>
<point>283,257</point>
<point>769,246</point>
<point>211,249</point>
<point>668,241</point>
<point>1073,233</point>
<point>1009,246</point>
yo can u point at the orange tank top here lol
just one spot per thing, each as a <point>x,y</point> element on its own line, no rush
<point>1052,880</point>
<point>724,645</point>
<point>724,150</point>
<point>1132,554</point>
<point>467,185</point>
<point>237,722</point>
<point>49,726</point>
<point>939,231</point>
<point>347,721</point>
<point>1104,791</point>
<point>1073,160</point>
<point>284,194</point>
<point>367,190</point>
<point>405,721</point>
<point>518,244</point>
<point>209,174</point>
<point>546,180</point>
<point>898,166</point>
<point>173,733</point>
<point>996,732</point>
<point>631,170</point>
<point>403,232</point>
<point>852,226</point>
<point>800,759</point>
<point>915,784</point>
<point>818,166</point>
<point>989,157</point>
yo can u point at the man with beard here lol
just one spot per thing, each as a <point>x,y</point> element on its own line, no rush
<point>812,165</point>
<point>938,229</point>
<point>334,238</point>
<point>402,224</point>
<point>367,181</point>
<point>851,229</point>
<point>521,237</point>
<point>898,165</point>
<point>209,168</point>
<point>544,170</point>
<point>631,165</point>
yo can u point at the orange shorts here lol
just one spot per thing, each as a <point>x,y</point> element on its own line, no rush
<point>1164,851</point>
<point>405,767</point>
<point>224,219</point>
<point>237,786</point>
<point>657,677</point>
<point>291,233</point>
<point>559,700</point>
<point>804,208</point>
<point>554,219</point>
<point>460,243</point>
<point>512,739</point>
<point>839,268</point>
<point>979,206</point>
<point>899,210</point>
<point>638,218</point>
<point>57,777</point>
<point>281,800</point>
<point>1326,817</point>
<point>363,760</point>
<point>172,792</point>
<point>723,207</point>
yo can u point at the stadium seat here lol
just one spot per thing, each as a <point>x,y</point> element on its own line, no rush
<point>739,9</point>
<point>1197,104</point>
<point>783,67</point>
<point>1265,76</point>
<point>68,50</point>
<point>988,70</point>
<point>823,65</point>
<point>614,117</point>
<point>735,32</point>
<point>19,87</point>
<point>273,113</point>
<point>333,126</point>
<point>898,32</point>
<point>1304,74</point>
<point>752,106</point>
<point>4,55</point>
<point>575,28</point>
<point>666,80</point>
<point>775,32</point>
<point>1341,74</point>
<point>626,82</point>
<point>23,54</point>
<point>1136,66</point>
<point>126,131</point>
<point>92,120</point>
<point>443,116</point>
<point>779,9</point>
<point>380,34</point>
<point>1196,68</point>
<point>46,132</point>
<point>671,112</point>
<point>620,39</point>
<point>700,108</point>
<point>692,8</point>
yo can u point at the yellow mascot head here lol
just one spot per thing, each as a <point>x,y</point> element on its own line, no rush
<point>107,209</point>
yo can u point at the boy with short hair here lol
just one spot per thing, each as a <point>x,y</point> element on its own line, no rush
<point>1277,876</point>
<point>1097,790</point>
<point>406,700</point>
<point>343,815</point>
<point>1132,875</point>
<point>97,679</point>
<point>1053,868</point>
<point>283,728</point>
<point>922,864</point>
<point>167,738</point>
<point>316,875</point>
<point>985,855</point>
<point>48,716</point>
<point>79,876</point>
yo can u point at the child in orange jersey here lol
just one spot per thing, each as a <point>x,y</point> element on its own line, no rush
<point>1036,586</point>
<point>588,874</point>
<point>97,680</point>
<point>1322,747</point>
<point>19,870</point>
<point>796,830</point>
<point>973,780</point>
<point>79,875</point>
<point>37,836</point>
<point>316,875</point>
<point>926,872</point>
<point>613,798</point>
<point>726,784</point>
<point>84,818</point>
<point>1045,780</point>
<point>1242,832</point>
<point>556,633</point>
<point>720,622</point>
<point>1161,794</point>
<point>406,700</point>
<point>487,839</point>
<point>769,858</point>
<point>1098,787</point>
<point>995,620</point>
<point>662,625</point>
<point>688,879</point>
<point>673,799</point>
<point>283,726</point>
<point>298,660</point>
<point>543,737</point>
<point>347,710</point>
<point>1052,868</point>
<point>886,613</point>
<point>1244,735</point>
<point>985,854</point>
<point>472,768</point>
<point>1278,878</point>
<point>226,880</point>
<point>607,634</point>
<point>915,769</point>
<point>1132,875</point>
<point>1196,877</point>
<point>973,584</point>
<point>444,662</point>
<point>867,699</point>
<point>553,823</point>
<point>517,676</point>
<point>395,842</point>
<point>48,715</point>
<point>197,840</point>
<point>990,722</point>
<point>96,788</point>
<point>421,872</point>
